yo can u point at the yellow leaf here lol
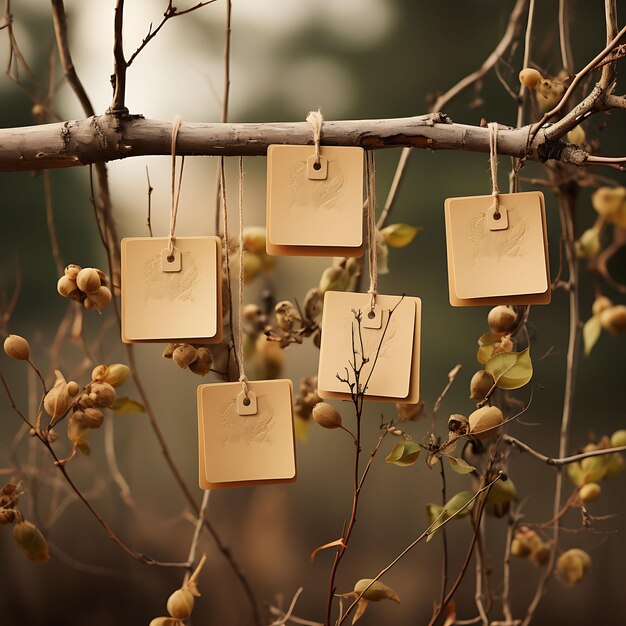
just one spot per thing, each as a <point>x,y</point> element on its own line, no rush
<point>510,370</point>
<point>399,235</point>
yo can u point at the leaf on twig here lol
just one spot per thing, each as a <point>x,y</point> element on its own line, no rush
<point>361,605</point>
<point>373,591</point>
<point>510,370</point>
<point>591,333</point>
<point>124,404</point>
<point>404,454</point>
<point>399,235</point>
<point>460,466</point>
<point>459,505</point>
<point>331,544</point>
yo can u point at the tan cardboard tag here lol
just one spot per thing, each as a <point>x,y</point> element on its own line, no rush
<point>175,297</point>
<point>238,447</point>
<point>488,265</point>
<point>392,348</point>
<point>315,212</point>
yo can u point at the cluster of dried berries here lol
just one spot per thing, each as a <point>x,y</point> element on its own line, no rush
<point>255,258</point>
<point>198,360</point>
<point>88,286</point>
<point>306,398</point>
<point>26,534</point>
<point>293,323</point>
<point>85,406</point>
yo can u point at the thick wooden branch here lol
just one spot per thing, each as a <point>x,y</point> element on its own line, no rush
<point>108,137</point>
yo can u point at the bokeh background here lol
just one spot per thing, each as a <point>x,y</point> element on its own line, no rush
<point>354,59</point>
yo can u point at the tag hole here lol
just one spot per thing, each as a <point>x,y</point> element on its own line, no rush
<point>171,258</point>
<point>246,402</point>
<point>371,315</point>
<point>317,166</point>
<point>497,216</point>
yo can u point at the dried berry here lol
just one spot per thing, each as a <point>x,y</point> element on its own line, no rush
<point>572,565</point>
<point>480,385</point>
<point>530,77</point>
<point>17,347</point>
<point>102,395</point>
<point>58,400</point>
<point>66,286</point>
<point>180,604</point>
<point>203,362</point>
<point>184,354</point>
<point>502,318</point>
<point>100,298</point>
<point>600,304</point>
<point>88,280</point>
<point>89,418</point>
<point>613,319</point>
<point>590,492</point>
<point>31,541</point>
<point>485,422</point>
<point>326,416</point>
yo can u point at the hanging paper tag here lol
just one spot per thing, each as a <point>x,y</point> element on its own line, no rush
<point>180,305</point>
<point>391,350</point>
<point>238,449</point>
<point>507,266</point>
<point>313,212</point>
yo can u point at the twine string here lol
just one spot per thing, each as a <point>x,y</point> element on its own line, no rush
<point>316,119</point>
<point>175,192</point>
<point>242,370</point>
<point>493,163</point>
<point>372,243</point>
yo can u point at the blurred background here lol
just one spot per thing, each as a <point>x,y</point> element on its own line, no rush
<point>353,59</point>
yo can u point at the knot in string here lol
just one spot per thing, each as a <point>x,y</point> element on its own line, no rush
<point>316,119</point>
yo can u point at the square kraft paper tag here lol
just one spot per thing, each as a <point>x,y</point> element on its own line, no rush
<point>392,347</point>
<point>236,449</point>
<point>177,299</point>
<point>315,212</point>
<point>498,265</point>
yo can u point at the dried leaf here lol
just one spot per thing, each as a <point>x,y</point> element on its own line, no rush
<point>510,370</point>
<point>460,466</point>
<point>404,453</point>
<point>458,506</point>
<point>331,544</point>
<point>399,235</point>
<point>361,605</point>
<point>376,590</point>
<point>591,333</point>
<point>484,353</point>
<point>124,404</point>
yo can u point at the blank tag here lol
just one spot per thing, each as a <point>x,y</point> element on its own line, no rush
<point>394,360</point>
<point>238,450</point>
<point>315,212</point>
<point>165,301</point>
<point>497,266</point>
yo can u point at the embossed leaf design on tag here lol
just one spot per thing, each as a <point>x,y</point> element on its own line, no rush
<point>510,370</point>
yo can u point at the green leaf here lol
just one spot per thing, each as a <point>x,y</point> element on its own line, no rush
<point>458,506</point>
<point>483,354</point>
<point>501,492</point>
<point>404,454</point>
<point>510,370</point>
<point>124,404</point>
<point>460,466</point>
<point>489,339</point>
<point>591,333</point>
<point>399,235</point>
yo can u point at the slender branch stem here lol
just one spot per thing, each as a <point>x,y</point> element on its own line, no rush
<point>118,79</point>
<point>434,526</point>
<point>559,462</point>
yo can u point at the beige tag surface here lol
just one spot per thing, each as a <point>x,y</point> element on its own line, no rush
<point>238,447</point>
<point>315,212</point>
<point>488,264</point>
<point>395,360</point>
<point>174,297</point>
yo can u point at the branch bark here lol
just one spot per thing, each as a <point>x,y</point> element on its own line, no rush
<point>103,138</point>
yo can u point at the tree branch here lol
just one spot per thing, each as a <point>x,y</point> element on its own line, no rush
<point>104,138</point>
<point>559,462</point>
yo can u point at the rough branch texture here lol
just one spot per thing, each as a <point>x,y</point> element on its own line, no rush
<point>107,138</point>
